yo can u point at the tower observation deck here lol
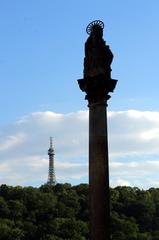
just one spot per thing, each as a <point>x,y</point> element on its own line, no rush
<point>51,173</point>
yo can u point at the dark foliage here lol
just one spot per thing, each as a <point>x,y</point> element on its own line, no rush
<point>61,212</point>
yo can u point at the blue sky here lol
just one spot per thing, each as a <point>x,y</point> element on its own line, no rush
<point>41,58</point>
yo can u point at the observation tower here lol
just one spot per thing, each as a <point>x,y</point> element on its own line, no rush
<point>51,173</point>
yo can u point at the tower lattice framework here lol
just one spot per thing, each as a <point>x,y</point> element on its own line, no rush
<point>51,173</point>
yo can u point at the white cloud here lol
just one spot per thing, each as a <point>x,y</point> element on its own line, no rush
<point>133,144</point>
<point>11,141</point>
<point>133,132</point>
<point>120,182</point>
<point>135,173</point>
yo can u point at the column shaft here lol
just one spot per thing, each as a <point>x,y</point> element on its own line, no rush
<point>98,173</point>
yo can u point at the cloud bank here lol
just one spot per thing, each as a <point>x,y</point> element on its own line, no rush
<point>133,145</point>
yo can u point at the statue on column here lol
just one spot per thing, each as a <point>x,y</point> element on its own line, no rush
<point>97,81</point>
<point>98,56</point>
<point>97,84</point>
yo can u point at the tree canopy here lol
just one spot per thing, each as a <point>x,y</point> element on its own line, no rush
<point>61,212</point>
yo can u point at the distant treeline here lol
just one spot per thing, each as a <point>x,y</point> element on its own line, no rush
<point>61,212</point>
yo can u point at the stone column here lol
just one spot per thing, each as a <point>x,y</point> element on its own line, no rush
<point>97,84</point>
<point>98,172</point>
<point>97,90</point>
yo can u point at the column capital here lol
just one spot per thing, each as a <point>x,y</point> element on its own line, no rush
<point>97,88</point>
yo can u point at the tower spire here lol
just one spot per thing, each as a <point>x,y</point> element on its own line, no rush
<point>51,173</point>
<point>51,145</point>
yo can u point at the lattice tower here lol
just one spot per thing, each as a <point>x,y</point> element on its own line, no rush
<point>51,173</point>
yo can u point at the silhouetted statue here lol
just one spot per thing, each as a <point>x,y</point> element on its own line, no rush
<point>98,56</point>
